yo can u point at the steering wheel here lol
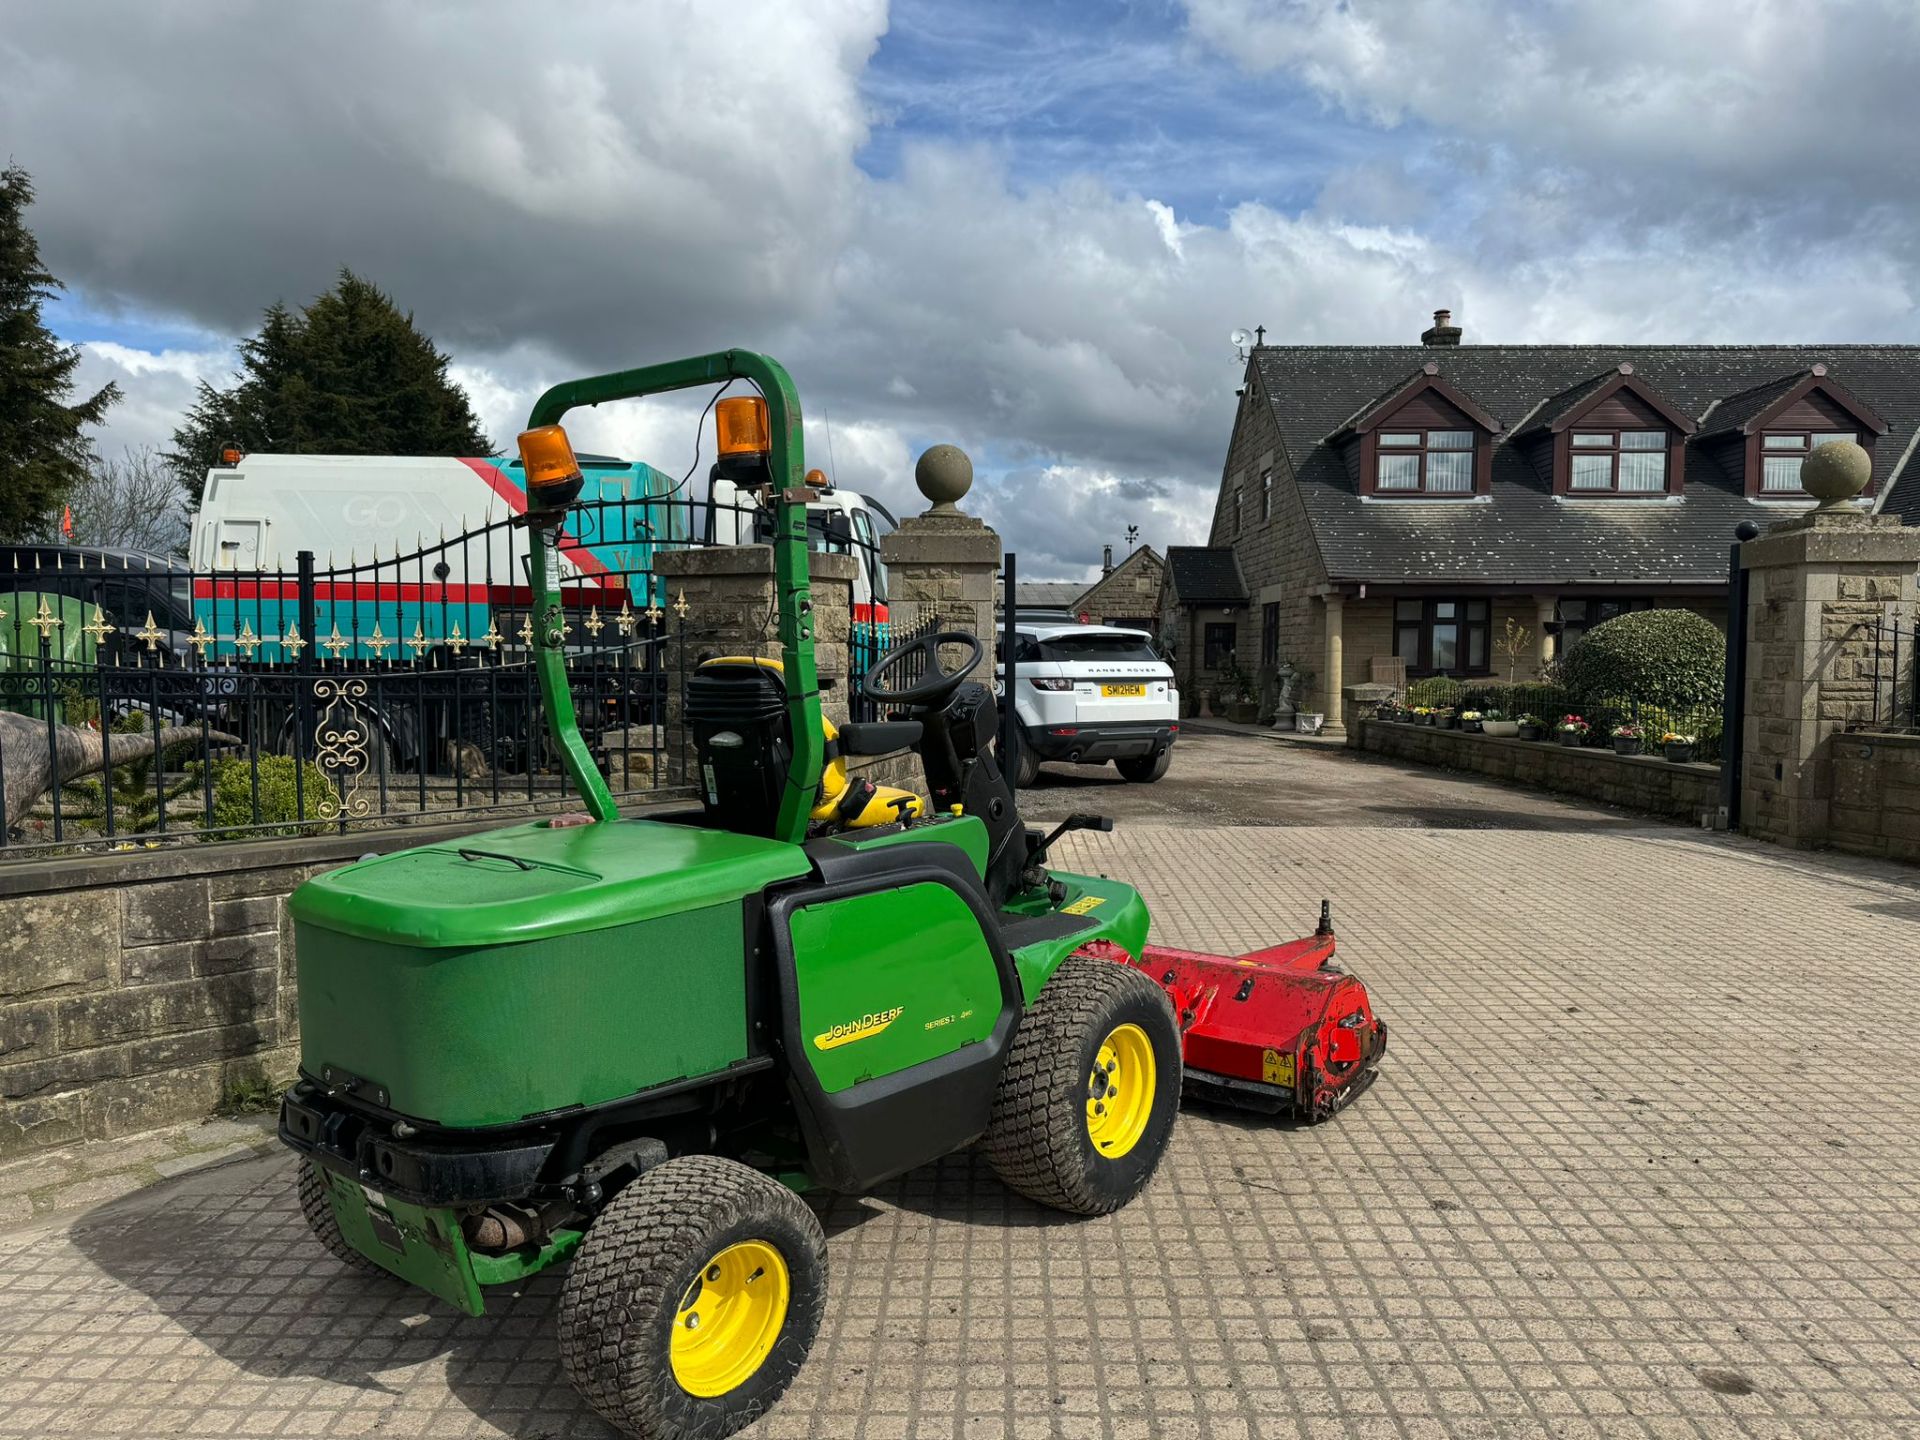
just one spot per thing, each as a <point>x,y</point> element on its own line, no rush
<point>935,684</point>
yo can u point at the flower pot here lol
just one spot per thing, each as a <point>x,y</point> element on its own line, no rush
<point>1571,738</point>
<point>1307,723</point>
<point>1680,754</point>
<point>1472,727</point>
<point>1243,712</point>
<point>1427,719</point>
<point>1532,732</point>
<point>1447,722</point>
<point>1500,729</point>
<point>1626,744</point>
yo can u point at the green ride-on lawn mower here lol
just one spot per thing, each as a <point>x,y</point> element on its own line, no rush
<point>624,1044</point>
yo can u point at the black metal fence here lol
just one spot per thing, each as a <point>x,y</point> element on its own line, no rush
<point>289,701</point>
<point>1896,676</point>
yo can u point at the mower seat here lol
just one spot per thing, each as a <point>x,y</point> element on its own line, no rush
<point>857,804</point>
<point>736,707</point>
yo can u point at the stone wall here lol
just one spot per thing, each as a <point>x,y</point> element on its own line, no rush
<point>1876,795</point>
<point>1650,784</point>
<point>143,989</point>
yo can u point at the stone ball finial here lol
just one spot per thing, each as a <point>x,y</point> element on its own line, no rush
<point>1836,472</point>
<point>944,474</point>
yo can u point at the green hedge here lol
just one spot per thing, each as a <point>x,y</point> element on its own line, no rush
<point>1673,659</point>
<point>279,804</point>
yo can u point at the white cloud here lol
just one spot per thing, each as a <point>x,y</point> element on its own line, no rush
<point>609,184</point>
<point>157,388</point>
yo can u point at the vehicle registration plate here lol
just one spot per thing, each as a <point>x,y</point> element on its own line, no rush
<point>1115,692</point>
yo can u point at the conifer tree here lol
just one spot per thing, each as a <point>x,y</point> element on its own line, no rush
<point>44,450</point>
<point>347,375</point>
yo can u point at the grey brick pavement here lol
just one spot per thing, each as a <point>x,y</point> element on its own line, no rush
<point>1644,1161</point>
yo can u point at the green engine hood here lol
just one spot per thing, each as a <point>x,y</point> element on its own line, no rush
<point>533,882</point>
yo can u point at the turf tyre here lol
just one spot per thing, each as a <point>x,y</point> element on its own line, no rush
<point>1037,1139</point>
<point>1145,769</point>
<point>318,1212</point>
<point>623,1291</point>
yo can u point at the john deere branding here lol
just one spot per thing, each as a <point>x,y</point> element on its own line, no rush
<point>865,1028</point>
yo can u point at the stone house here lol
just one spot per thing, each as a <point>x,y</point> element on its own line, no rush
<point>1394,509</point>
<point>1125,594</point>
<point>1202,618</point>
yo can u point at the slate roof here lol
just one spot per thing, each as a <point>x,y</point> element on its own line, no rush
<point>1736,410</point>
<point>1047,594</point>
<point>1205,575</point>
<point>1522,534</point>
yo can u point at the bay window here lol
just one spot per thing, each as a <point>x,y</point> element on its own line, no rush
<point>1443,637</point>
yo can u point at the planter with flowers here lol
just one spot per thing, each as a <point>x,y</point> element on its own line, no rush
<point>1493,722</point>
<point>1422,714</point>
<point>1447,718</point>
<point>1470,721</point>
<point>1677,748</point>
<point>1572,730</point>
<point>1628,738</point>
<point>1532,727</point>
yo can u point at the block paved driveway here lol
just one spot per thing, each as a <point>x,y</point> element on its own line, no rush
<point>1644,1160</point>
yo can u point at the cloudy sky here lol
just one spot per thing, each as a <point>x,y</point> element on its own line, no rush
<point>1025,226</point>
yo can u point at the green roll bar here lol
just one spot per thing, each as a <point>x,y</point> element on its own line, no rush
<point>793,597</point>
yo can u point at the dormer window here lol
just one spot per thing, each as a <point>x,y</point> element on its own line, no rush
<point>1761,435</point>
<point>1618,462</point>
<point>1781,452</point>
<point>1424,439</point>
<point>1611,436</point>
<point>1432,462</point>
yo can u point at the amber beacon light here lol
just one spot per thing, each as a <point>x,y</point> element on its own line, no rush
<point>553,475</point>
<point>742,426</point>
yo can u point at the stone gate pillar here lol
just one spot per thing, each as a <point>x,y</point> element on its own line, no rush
<point>945,562</point>
<point>1820,587</point>
<point>727,595</point>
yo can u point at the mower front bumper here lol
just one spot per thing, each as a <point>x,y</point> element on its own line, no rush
<point>1091,744</point>
<point>422,1245</point>
<point>362,1148</point>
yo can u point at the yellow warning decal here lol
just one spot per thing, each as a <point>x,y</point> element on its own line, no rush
<point>865,1028</point>
<point>1275,1068</point>
<point>1083,905</point>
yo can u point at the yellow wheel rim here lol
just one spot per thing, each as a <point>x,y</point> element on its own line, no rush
<point>730,1318</point>
<point>1120,1091</point>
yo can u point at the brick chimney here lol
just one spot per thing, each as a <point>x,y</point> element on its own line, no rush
<point>1106,561</point>
<point>1444,331</point>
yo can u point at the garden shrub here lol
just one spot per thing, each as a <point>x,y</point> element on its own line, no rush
<point>1435,692</point>
<point>1673,659</point>
<point>279,802</point>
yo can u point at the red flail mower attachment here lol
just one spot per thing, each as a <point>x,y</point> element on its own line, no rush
<point>1272,1030</point>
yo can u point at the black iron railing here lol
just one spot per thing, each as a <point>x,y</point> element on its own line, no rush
<point>321,695</point>
<point>1895,666</point>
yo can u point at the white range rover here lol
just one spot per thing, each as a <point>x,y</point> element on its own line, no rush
<point>1088,694</point>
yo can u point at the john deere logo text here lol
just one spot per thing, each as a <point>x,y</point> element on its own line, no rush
<point>865,1028</point>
